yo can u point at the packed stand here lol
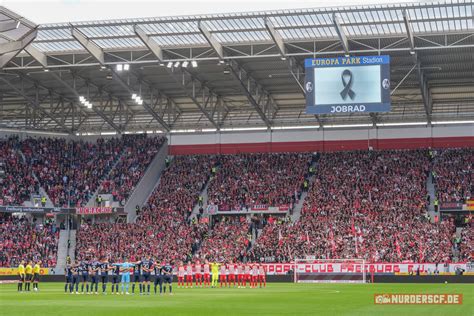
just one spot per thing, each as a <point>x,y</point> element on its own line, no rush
<point>466,245</point>
<point>21,239</point>
<point>139,151</point>
<point>258,179</point>
<point>369,205</point>
<point>71,171</point>
<point>227,242</point>
<point>162,227</point>
<point>454,174</point>
<point>17,183</point>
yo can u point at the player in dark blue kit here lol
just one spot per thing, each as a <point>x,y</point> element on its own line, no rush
<point>68,274</point>
<point>94,272</point>
<point>158,277</point>
<point>74,279</point>
<point>147,268</point>
<point>167,272</point>
<point>115,267</point>
<point>136,276</point>
<point>104,271</point>
<point>84,275</point>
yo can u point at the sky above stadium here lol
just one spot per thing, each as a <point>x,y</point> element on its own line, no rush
<point>54,11</point>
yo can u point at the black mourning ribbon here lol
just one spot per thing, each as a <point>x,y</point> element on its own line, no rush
<point>347,85</point>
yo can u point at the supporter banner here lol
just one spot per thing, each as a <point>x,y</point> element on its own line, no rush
<point>378,268</point>
<point>451,206</point>
<point>212,209</point>
<point>14,271</point>
<point>259,207</point>
<point>24,209</point>
<point>95,210</point>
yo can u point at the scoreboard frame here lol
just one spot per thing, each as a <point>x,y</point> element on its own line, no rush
<point>312,105</point>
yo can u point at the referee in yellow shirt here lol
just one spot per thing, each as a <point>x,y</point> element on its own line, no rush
<point>21,275</point>
<point>36,275</point>
<point>29,275</point>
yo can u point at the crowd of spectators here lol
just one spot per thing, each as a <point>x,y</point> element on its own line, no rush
<point>163,227</point>
<point>17,183</point>
<point>466,245</point>
<point>369,205</point>
<point>258,179</point>
<point>228,240</point>
<point>139,151</point>
<point>21,239</point>
<point>454,174</point>
<point>71,171</point>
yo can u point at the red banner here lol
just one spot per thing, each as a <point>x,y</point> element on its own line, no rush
<point>93,210</point>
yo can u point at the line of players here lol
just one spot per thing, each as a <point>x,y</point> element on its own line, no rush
<point>226,274</point>
<point>89,273</point>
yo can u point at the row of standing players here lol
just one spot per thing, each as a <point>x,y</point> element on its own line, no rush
<point>89,273</point>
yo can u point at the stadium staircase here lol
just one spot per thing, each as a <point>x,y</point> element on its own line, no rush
<point>430,188</point>
<point>299,206</point>
<point>91,201</point>
<point>205,198</point>
<point>147,183</point>
<point>63,249</point>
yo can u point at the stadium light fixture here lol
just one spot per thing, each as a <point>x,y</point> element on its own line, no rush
<point>82,99</point>
<point>126,67</point>
<point>134,96</point>
<point>162,64</point>
<point>170,64</point>
<point>452,122</point>
<point>176,64</point>
<point>46,70</point>
<point>119,67</point>
<point>194,63</point>
<point>185,64</point>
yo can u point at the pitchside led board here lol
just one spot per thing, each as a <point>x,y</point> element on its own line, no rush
<point>348,84</point>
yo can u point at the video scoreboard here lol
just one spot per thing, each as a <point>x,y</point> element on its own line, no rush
<point>347,84</point>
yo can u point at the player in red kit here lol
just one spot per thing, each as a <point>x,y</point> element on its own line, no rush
<point>207,274</point>
<point>247,274</point>
<point>223,275</point>
<point>232,272</point>
<point>189,275</point>
<point>181,273</point>
<point>240,272</point>
<point>262,275</point>
<point>198,273</point>
<point>254,275</point>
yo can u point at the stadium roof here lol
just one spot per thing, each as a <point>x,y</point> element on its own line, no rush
<point>249,68</point>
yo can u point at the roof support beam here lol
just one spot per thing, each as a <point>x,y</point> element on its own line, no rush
<point>34,103</point>
<point>9,50</point>
<point>37,55</point>
<point>276,37</point>
<point>147,107</point>
<point>425,91</point>
<point>409,31</point>
<point>211,40</point>
<point>192,96</point>
<point>340,32</point>
<point>150,43</point>
<point>89,45</point>
<point>9,25</point>
<point>237,71</point>
<point>98,112</point>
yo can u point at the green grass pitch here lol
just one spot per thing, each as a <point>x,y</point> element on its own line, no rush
<point>276,299</point>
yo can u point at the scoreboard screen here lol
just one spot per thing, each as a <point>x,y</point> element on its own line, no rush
<point>347,84</point>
